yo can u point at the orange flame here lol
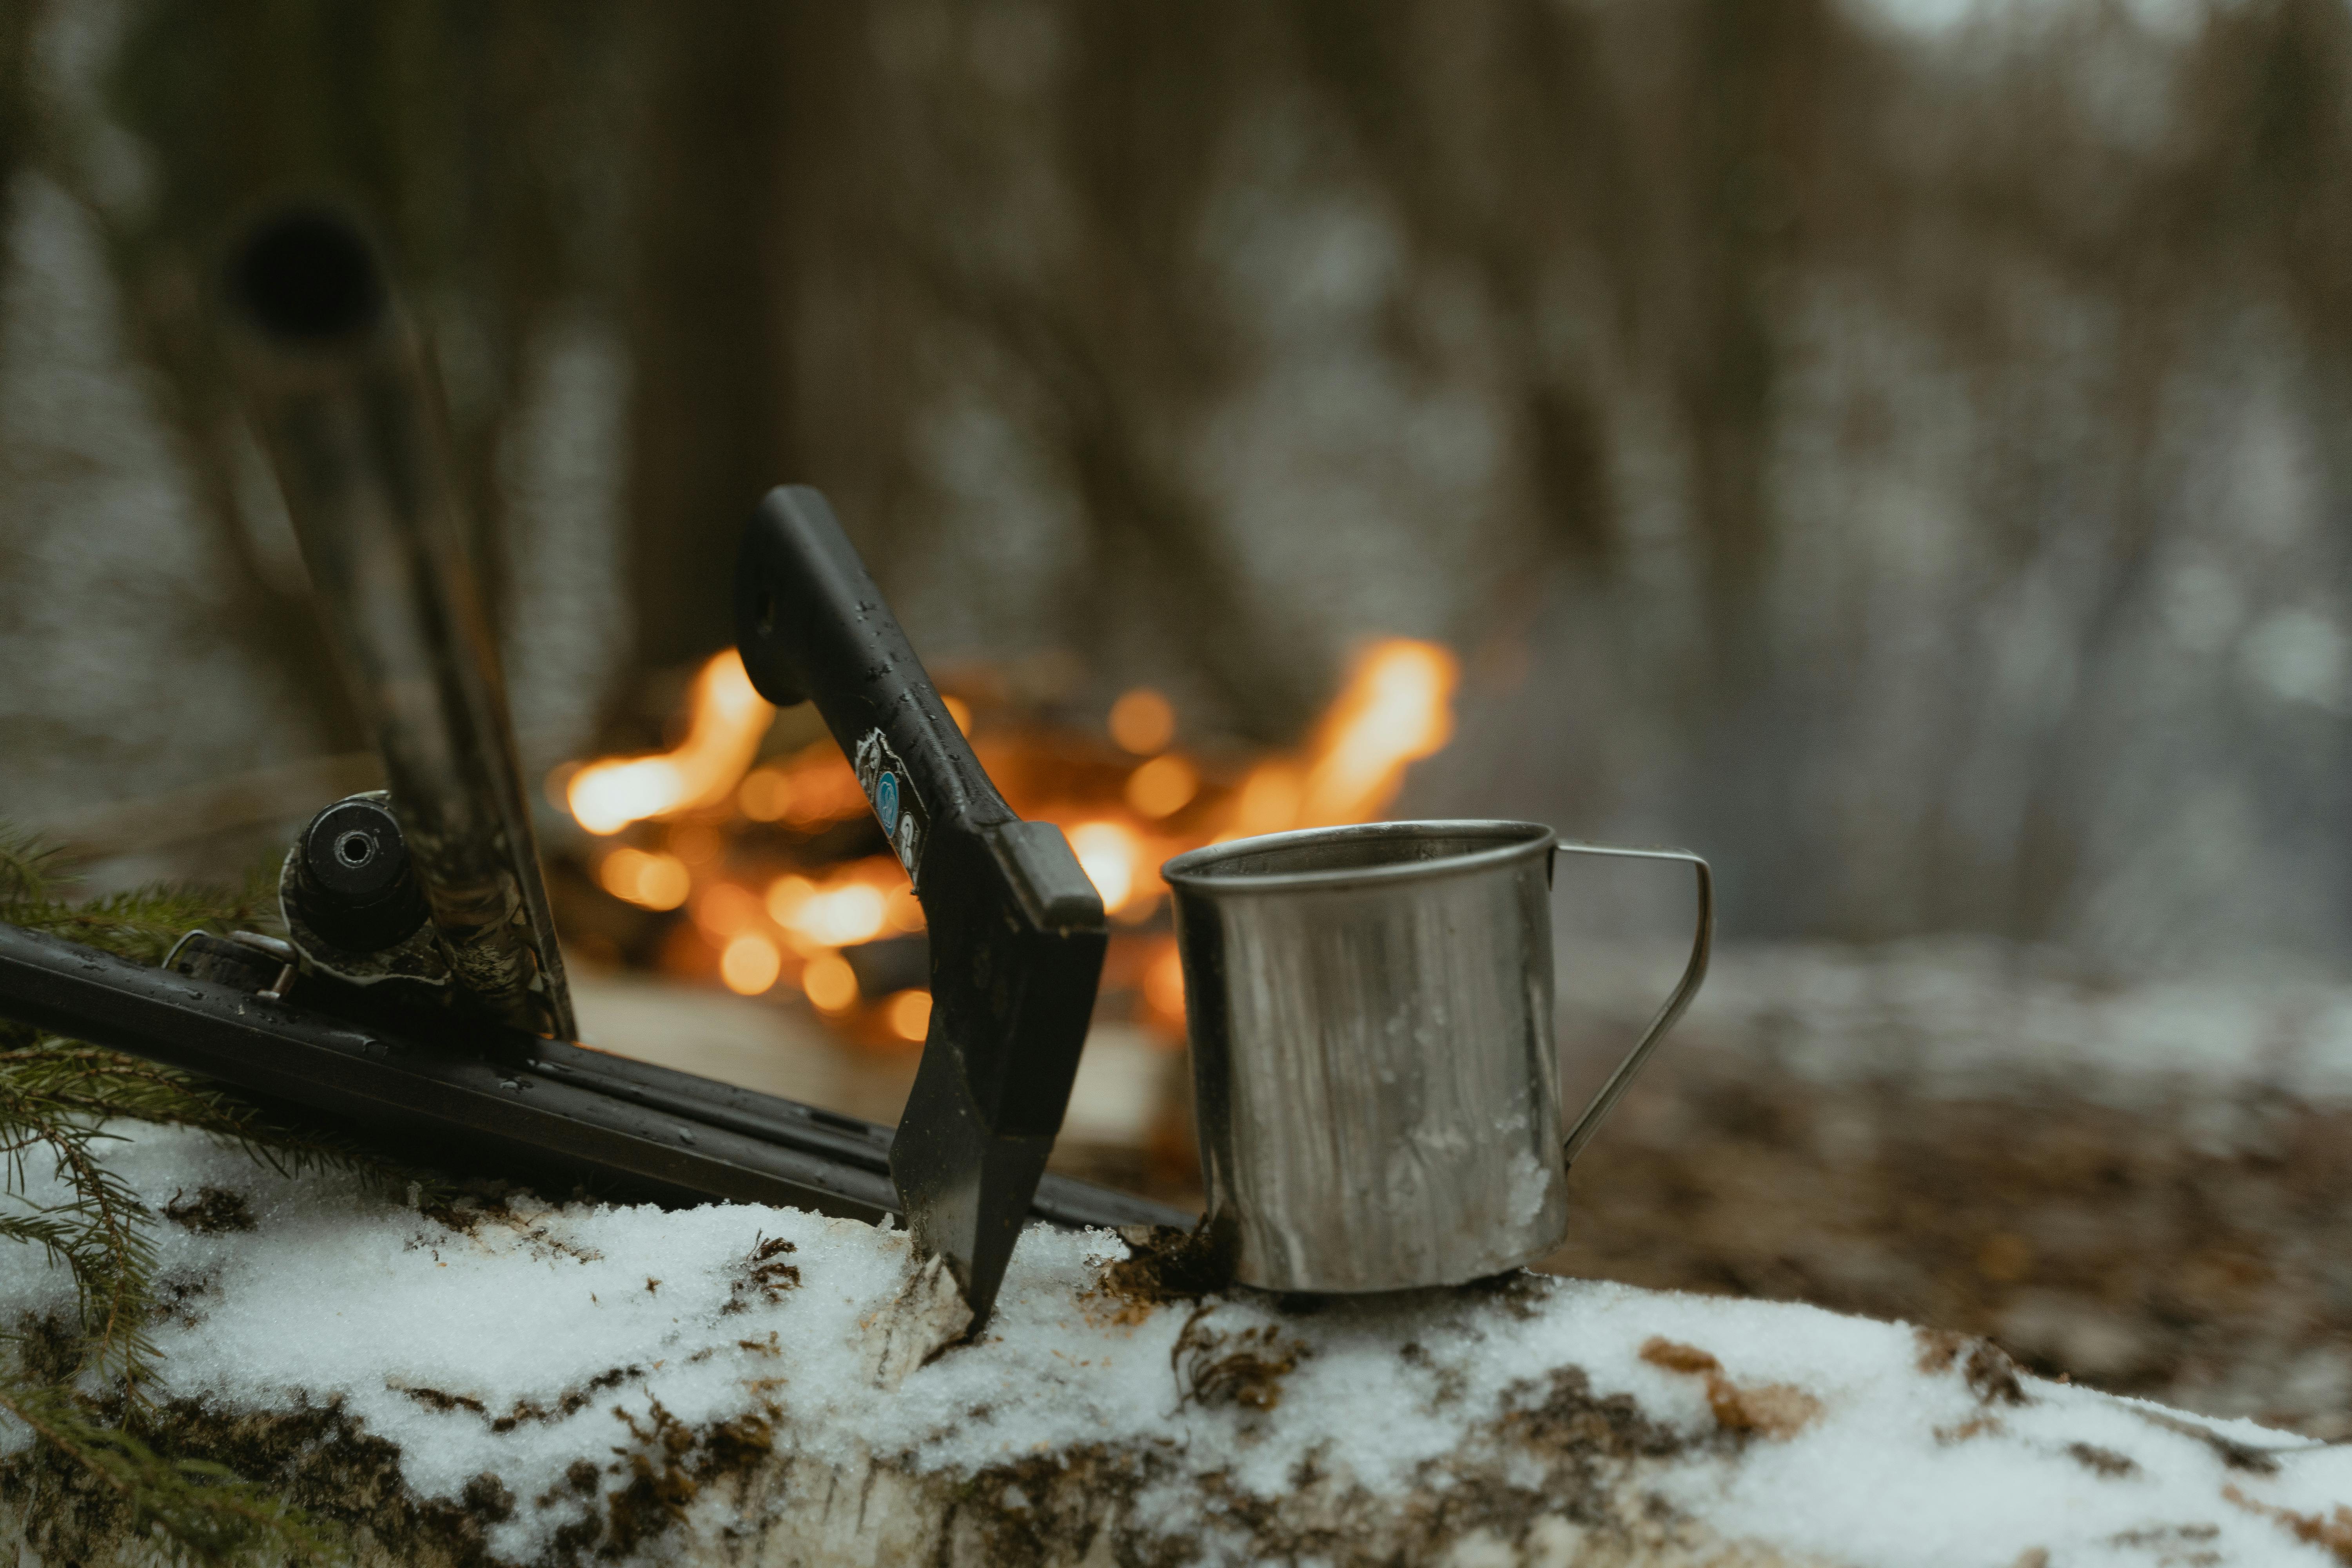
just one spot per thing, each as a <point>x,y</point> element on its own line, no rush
<point>1111,854</point>
<point>855,904</point>
<point>1395,708</point>
<point>729,718</point>
<point>816,785</point>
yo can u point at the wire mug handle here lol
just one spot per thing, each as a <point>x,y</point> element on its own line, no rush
<point>1702,942</point>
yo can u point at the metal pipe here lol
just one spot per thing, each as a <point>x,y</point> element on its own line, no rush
<point>335,383</point>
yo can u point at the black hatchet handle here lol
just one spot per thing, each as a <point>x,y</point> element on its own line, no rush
<point>812,625</point>
<point>1017,931</point>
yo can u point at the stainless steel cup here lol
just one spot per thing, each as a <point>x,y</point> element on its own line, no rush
<point>1377,1085</point>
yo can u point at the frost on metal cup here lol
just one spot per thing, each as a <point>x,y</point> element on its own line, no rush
<point>1377,1086</point>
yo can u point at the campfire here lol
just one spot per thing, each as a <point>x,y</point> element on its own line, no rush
<point>785,880</point>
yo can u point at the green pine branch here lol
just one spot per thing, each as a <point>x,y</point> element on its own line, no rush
<point>141,923</point>
<point>56,1098</point>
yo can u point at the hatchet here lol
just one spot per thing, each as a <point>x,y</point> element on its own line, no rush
<point>1016,929</point>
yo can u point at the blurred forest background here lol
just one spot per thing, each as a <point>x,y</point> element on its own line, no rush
<point>1897,448</point>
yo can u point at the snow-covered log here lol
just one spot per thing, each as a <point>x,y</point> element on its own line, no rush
<point>515,1382</point>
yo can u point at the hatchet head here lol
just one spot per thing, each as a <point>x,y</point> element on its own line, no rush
<point>1017,931</point>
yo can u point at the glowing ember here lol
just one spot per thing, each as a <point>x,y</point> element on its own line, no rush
<point>655,881</point>
<point>813,787</point>
<point>723,910</point>
<point>830,982</point>
<point>838,914</point>
<point>1108,851</point>
<point>1162,786</point>
<point>1142,721</point>
<point>786,897</point>
<point>750,964</point>
<point>729,718</point>
<point>764,796</point>
<point>910,1014</point>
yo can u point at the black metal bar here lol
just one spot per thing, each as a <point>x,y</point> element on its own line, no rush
<point>493,1098</point>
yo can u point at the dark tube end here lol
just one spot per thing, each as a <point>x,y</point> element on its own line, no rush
<point>306,275</point>
<point>352,878</point>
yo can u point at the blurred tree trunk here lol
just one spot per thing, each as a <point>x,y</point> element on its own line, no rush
<point>710,424</point>
<point>1136,356</point>
<point>231,102</point>
<point>452,129</point>
<point>17,20</point>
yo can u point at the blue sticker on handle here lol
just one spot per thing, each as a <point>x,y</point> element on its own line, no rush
<point>898,805</point>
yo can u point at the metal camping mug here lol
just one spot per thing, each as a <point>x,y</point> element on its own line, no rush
<point>1375,1074</point>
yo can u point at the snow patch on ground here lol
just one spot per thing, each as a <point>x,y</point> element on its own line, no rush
<point>510,1348</point>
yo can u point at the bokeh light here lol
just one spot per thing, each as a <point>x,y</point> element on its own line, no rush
<point>829,982</point>
<point>750,964</point>
<point>654,882</point>
<point>1144,721</point>
<point>910,1014</point>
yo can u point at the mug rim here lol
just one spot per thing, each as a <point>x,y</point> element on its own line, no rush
<point>1196,870</point>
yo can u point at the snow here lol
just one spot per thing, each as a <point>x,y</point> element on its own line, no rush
<point>1863,1441</point>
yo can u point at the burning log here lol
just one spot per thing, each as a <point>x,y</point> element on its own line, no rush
<point>748,848</point>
